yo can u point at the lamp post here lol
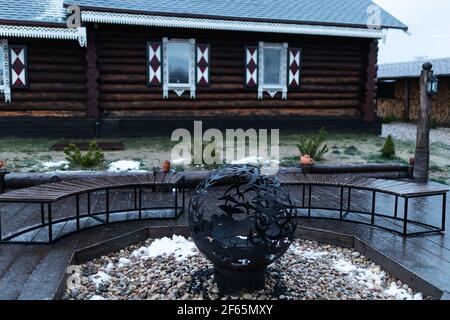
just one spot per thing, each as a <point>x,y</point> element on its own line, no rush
<point>428,88</point>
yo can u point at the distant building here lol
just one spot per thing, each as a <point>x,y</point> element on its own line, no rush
<point>398,90</point>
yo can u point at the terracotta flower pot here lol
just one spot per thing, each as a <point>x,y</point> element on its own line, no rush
<point>166,166</point>
<point>306,160</point>
<point>2,164</point>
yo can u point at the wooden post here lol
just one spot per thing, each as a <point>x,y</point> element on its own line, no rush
<point>406,100</point>
<point>422,160</point>
<point>371,83</point>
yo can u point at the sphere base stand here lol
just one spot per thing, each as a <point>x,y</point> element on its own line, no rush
<point>230,281</point>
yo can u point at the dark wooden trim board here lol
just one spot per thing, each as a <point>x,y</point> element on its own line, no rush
<point>139,127</point>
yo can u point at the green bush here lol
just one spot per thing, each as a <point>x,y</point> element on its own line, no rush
<point>389,118</point>
<point>388,150</point>
<point>434,123</point>
<point>313,146</point>
<point>93,157</point>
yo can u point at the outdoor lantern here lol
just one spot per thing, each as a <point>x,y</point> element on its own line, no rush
<point>242,221</point>
<point>432,85</point>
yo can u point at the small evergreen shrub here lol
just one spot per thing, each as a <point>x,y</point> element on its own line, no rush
<point>314,146</point>
<point>389,118</point>
<point>92,158</point>
<point>434,123</point>
<point>388,150</point>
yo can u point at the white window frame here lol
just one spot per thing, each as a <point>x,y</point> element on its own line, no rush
<point>5,88</point>
<point>272,89</point>
<point>178,88</point>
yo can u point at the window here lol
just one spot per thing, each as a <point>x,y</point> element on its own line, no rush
<point>386,89</point>
<point>179,66</point>
<point>178,61</point>
<point>272,62</point>
<point>273,69</point>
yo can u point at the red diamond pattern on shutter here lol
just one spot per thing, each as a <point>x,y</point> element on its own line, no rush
<point>154,63</point>
<point>294,67</point>
<point>251,66</point>
<point>202,59</point>
<point>18,59</point>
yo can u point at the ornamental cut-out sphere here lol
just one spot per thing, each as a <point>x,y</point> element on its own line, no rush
<point>242,221</point>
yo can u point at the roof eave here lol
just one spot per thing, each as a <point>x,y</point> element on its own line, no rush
<point>218,17</point>
<point>27,31</point>
<point>226,25</point>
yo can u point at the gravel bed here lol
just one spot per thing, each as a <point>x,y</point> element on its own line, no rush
<point>408,132</point>
<point>174,269</point>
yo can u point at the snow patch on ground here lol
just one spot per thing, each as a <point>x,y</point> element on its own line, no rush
<point>178,246</point>
<point>181,161</point>
<point>313,255</point>
<point>100,278</point>
<point>253,160</point>
<point>96,297</point>
<point>344,266</point>
<point>400,293</point>
<point>124,262</point>
<point>63,164</point>
<point>124,165</point>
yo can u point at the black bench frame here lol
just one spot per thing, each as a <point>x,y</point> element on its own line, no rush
<point>46,209</point>
<point>344,211</point>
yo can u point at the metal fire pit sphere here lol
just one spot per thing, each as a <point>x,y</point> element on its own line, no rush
<point>242,221</point>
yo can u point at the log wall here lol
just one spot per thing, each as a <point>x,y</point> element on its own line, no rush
<point>57,81</point>
<point>332,77</point>
<point>440,110</point>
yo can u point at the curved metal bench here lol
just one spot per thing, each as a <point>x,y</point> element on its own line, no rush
<point>48,194</point>
<point>398,189</point>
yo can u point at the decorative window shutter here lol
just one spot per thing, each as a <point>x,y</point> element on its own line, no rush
<point>202,65</point>
<point>251,66</point>
<point>294,67</point>
<point>154,64</point>
<point>18,65</point>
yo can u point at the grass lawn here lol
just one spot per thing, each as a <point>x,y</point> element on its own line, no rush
<point>34,155</point>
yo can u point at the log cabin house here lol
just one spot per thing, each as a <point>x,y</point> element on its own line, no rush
<point>399,92</point>
<point>134,67</point>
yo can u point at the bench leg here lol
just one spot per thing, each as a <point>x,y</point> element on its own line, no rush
<point>107,206</point>
<point>444,205</point>
<point>372,221</point>
<point>349,198</point>
<point>341,206</point>
<point>1,225</point>
<point>184,200</point>
<point>309,200</point>
<point>135,198</point>
<point>77,206</point>
<point>303,196</point>
<point>396,207</point>
<point>89,203</point>
<point>50,224</point>
<point>176,202</point>
<point>42,214</point>
<point>140,203</point>
<point>405,218</point>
